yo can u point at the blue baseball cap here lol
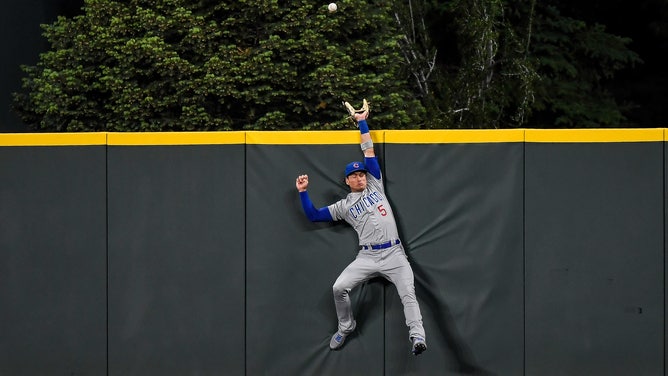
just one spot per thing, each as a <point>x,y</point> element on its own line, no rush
<point>354,167</point>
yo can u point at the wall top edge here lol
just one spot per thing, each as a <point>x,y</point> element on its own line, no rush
<point>444,136</point>
<point>176,138</point>
<point>52,139</point>
<point>596,135</point>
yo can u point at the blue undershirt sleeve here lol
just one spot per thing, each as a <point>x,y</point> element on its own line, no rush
<point>363,126</point>
<point>313,214</point>
<point>372,166</point>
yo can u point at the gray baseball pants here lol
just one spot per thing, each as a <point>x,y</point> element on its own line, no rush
<point>390,263</point>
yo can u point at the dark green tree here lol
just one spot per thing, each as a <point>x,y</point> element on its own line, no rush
<point>513,63</point>
<point>485,77</point>
<point>160,65</point>
<point>575,61</point>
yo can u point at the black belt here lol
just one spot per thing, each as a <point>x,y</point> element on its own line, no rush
<point>381,245</point>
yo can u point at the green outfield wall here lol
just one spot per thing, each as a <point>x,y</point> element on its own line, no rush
<point>535,252</point>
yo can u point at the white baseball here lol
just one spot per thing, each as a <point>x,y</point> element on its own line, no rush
<point>332,7</point>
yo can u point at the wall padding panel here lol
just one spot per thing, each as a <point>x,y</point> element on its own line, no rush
<point>176,260</point>
<point>52,260</point>
<point>594,258</point>
<point>535,252</point>
<point>459,208</point>
<point>293,263</point>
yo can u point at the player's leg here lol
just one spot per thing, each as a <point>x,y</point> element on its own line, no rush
<point>399,272</point>
<point>358,271</point>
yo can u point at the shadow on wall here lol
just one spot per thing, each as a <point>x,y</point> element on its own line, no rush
<point>463,360</point>
<point>446,327</point>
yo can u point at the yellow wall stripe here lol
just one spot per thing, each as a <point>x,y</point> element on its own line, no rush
<point>595,135</point>
<point>177,138</point>
<point>308,137</point>
<point>444,136</point>
<point>52,139</point>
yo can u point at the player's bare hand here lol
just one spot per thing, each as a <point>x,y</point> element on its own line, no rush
<point>361,115</point>
<point>302,183</point>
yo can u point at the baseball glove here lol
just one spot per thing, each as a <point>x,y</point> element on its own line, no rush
<point>352,111</point>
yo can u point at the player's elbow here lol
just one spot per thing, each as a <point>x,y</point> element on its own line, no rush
<point>311,217</point>
<point>319,215</point>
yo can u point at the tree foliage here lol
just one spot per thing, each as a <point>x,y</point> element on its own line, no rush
<point>149,65</point>
<point>519,63</point>
<point>491,82</point>
<point>574,61</point>
<point>159,65</point>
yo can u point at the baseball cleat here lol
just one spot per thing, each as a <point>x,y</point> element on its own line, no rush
<point>419,346</point>
<point>339,337</point>
<point>352,111</point>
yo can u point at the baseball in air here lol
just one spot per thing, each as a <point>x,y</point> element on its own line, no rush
<point>332,7</point>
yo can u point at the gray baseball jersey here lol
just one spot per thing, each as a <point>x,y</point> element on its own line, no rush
<point>368,212</point>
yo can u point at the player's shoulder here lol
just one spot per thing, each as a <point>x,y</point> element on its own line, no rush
<point>343,202</point>
<point>374,180</point>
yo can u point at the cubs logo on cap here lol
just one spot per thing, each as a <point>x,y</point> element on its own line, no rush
<point>354,166</point>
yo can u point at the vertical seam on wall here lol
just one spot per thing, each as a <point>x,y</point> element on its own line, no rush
<point>245,252</point>
<point>106,263</point>
<point>665,133</point>
<point>524,261</point>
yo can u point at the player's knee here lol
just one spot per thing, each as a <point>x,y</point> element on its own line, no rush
<point>339,289</point>
<point>407,295</point>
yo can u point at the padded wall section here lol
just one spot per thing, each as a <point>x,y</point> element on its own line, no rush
<point>52,260</point>
<point>293,263</point>
<point>176,260</point>
<point>531,258</point>
<point>594,259</point>
<point>459,208</point>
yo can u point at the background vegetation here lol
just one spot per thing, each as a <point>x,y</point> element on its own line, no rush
<point>160,65</point>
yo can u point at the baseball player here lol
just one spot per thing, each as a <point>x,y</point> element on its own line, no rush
<point>381,253</point>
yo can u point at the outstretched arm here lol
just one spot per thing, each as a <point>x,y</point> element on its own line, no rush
<point>313,214</point>
<point>365,136</point>
<point>367,144</point>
